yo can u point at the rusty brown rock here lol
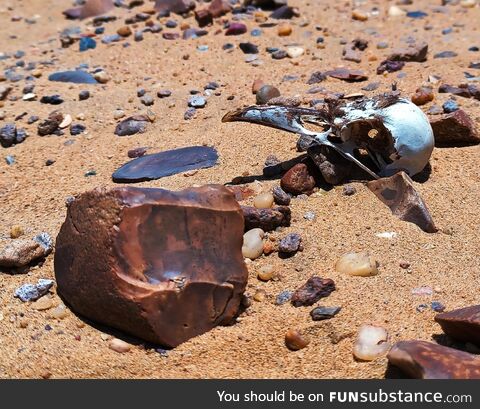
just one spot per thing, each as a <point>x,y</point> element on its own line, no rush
<point>414,52</point>
<point>399,194</point>
<point>91,8</point>
<point>422,96</point>
<point>314,289</point>
<point>203,17</point>
<point>462,324</point>
<point>21,252</point>
<point>454,129</point>
<point>163,266</point>
<point>295,341</point>
<point>266,219</point>
<point>426,360</point>
<point>298,180</point>
<point>347,74</point>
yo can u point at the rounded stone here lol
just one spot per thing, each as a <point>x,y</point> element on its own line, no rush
<point>263,201</point>
<point>357,264</point>
<point>253,243</point>
<point>266,93</point>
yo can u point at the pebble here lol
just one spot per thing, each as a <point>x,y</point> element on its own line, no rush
<point>59,312</point>
<point>295,341</point>
<point>29,97</point>
<point>283,297</point>
<point>83,95</point>
<point>266,93</point>
<point>253,243</point>
<point>416,14</point>
<point>10,160</point>
<point>102,77</point>
<point>16,232</point>
<point>124,31</point>
<point>324,313</point>
<point>260,295</point>
<point>445,54</point>
<point>87,43</point>
<point>314,289</point>
<point>279,55</point>
<point>21,252</point>
<point>359,15</point>
<point>119,346</point>
<point>197,101</point>
<point>310,216</point>
<point>437,306</point>
<point>450,106</point>
<point>42,304</point>
<point>32,292</point>
<point>295,52</point>
<point>349,190</point>
<point>266,273</point>
<point>248,48</point>
<point>382,45</point>
<point>263,201</point>
<point>284,29</point>
<point>77,129</point>
<point>290,244</point>
<point>266,219</point>
<point>357,264</point>
<point>118,113</point>
<point>297,180</point>
<point>280,196</point>
<point>395,11</point>
<point>422,96</point>
<point>131,126</point>
<point>189,114</point>
<point>147,100</point>
<point>164,93</point>
<point>236,29</point>
<point>51,99</point>
<point>67,120</point>
<point>371,343</point>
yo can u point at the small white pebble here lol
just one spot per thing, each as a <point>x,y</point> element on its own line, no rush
<point>119,346</point>
<point>67,121</point>
<point>357,264</point>
<point>371,343</point>
<point>263,201</point>
<point>253,243</point>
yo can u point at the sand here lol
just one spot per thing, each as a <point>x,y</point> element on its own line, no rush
<point>33,195</point>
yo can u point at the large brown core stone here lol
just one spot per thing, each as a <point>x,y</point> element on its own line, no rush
<point>163,266</point>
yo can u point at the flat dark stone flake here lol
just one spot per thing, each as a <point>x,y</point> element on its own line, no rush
<point>167,163</point>
<point>76,77</point>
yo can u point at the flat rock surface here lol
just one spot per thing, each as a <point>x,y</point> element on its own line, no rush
<point>167,163</point>
<point>33,195</point>
<point>426,360</point>
<point>462,324</point>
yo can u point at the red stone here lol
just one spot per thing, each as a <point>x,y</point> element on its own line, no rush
<point>163,266</point>
<point>454,129</point>
<point>462,324</point>
<point>426,360</point>
<point>314,289</point>
<point>298,180</point>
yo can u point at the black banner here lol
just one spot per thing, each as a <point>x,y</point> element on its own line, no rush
<point>212,394</point>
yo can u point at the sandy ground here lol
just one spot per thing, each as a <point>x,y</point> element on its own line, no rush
<point>33,195</point>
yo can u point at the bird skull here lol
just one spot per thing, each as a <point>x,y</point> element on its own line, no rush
<point>392,131</point>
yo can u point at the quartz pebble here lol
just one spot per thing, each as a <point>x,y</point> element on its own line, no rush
<point>295,52</point>
<point>357,264</point>
<point>395,11</point>
<point>260,295</point>
<point>263,201</point>
<point>118,113</point>
<point>59,312</point>
<point>266,273</point>
<point>371,343</point>
<point>119,346</point>
<point>294,340</point>
<point>253,243</point>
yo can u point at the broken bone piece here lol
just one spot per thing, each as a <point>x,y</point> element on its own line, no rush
<point>426,360</point>
<point>393,131</point>
<point>399,194</point>
<point>163,266</point>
